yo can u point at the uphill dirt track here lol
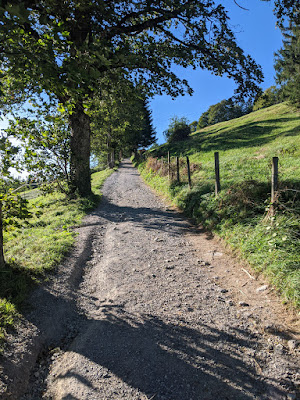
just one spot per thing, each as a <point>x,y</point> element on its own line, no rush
<point>152,309</point>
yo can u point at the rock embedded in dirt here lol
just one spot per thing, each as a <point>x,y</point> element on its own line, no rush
<point>136,337</point>
<point>293,344</point>
<point>262,288</point>
<point>224,290</point>
<point>243,304</point>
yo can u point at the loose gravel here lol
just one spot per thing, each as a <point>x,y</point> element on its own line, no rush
<point>136,313</point>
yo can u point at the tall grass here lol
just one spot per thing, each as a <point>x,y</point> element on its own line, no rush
<point>240,214</point>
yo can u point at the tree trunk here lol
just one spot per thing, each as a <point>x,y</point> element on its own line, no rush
<point>113,158</point>
<point>80,144</point>
<point>2,262</point>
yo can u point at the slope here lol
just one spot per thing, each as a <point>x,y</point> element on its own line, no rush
<point>241,212</point>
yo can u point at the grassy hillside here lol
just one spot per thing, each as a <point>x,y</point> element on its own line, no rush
<point>240,214</point>
<point>36,246</point>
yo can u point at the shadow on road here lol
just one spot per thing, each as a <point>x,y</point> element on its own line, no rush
<point>170,361</point>
<point>162,359</point>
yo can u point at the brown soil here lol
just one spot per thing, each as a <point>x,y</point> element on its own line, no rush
<point>148,307</point>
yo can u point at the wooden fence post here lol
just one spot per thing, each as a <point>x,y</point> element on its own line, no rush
<point>274,185</point>
<point>177,167</point>
<point>189,171</point>
<point>217,174</point>
<point>169,165</point>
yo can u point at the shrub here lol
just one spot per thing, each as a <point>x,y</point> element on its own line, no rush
<point>179,129</point>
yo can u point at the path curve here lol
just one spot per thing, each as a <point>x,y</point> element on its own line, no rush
<point>149,321</point>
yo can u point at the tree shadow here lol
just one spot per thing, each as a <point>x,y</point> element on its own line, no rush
<point>169,360</point>
<point>241,203</point>
<point>16,281</point>
<point>148,218</point>
<point>166,360</point>
<point>251,134</point>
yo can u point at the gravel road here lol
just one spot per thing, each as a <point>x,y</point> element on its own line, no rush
<point>142,316</point>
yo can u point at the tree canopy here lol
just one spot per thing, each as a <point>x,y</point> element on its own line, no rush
<point>121,120</point>
<point>178,129</point>
<point>287,61</point>
<point>268,98</point>
<point>223,111</point>
<point>71,50</point>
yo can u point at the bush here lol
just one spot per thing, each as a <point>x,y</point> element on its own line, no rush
<point>179,129</point>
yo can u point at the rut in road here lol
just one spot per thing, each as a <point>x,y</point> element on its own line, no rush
<point>152,324</point>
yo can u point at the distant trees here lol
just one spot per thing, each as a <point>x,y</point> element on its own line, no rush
<point>72,50</point>
<point>193,126</point>
<point>148,133</point>
<point>120,120</point>
<point>178,129</point>
<point>223,111</point>
<point>287,61</point>
<point>270,96</point>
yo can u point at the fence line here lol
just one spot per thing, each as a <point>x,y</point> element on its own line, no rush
<point>217,174</point>
<point>189,172</point>
<point>274,179</point>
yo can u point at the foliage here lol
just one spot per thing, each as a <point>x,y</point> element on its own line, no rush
<point>46,148</point>
<point>11,204</point>
<point>121,120</point>
<point>285,8</point>
<point>45,152</point>
<point>270,97</point>
<point>14,208</point>
<point>75,52</point>
<point>8,154</point>
<point>225,110</point>
<point>240,214</point>
<point>287,61</point>
<point>178,130</point>
<point>193,126</point>
<point>36,246</point>
<point>148,134</point>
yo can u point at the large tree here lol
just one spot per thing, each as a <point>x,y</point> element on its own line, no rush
<point>287,61</point>
<point>67,49</point>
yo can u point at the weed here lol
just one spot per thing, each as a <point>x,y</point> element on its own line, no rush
<point>240,215</point>
<point>35,246</point>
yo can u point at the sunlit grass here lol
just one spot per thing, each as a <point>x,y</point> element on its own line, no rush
<point>39,244</point>
<point>246,146</point>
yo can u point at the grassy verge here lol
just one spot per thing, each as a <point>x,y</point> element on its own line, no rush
<point>240,213</point>
<point>38,244</point>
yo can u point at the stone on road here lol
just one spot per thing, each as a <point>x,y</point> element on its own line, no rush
<point>153,324</point>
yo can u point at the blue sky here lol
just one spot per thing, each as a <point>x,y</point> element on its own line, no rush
<point>256,33</point>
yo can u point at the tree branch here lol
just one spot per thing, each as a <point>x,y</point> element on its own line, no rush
<point>150,23</point>
<point>246,9</point>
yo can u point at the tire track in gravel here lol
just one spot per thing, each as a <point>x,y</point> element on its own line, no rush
<point>151,323</point>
